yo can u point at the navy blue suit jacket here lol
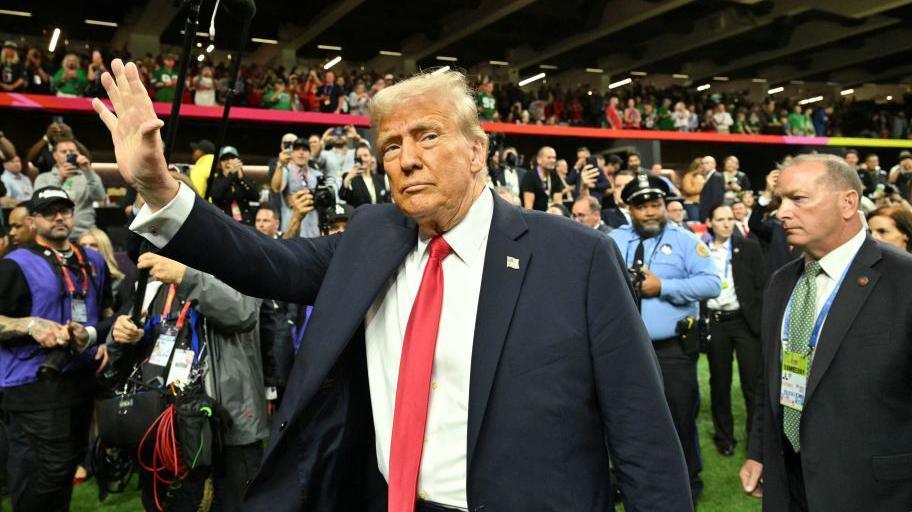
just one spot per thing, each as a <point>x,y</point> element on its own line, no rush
<point>562,370</point>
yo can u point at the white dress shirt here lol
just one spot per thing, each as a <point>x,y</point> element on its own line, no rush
<point>834,264</point>
<point>443,473</point>
<point>722,256</point>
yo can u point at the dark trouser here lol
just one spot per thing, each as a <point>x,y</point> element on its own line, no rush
<point>679,375</point>
<point>729,335</point>
<point>233,468</point>
<point>795,477</point>
<point>45,447</point>
<point>429,506</point>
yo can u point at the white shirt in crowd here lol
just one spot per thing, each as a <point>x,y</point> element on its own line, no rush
<point>443,474</point>
<point>721,256</point>
<point>834,264</point>
<point>18,185</point>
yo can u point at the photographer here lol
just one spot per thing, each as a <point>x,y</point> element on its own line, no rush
<point>231,190</point>
<point>227,353</point>
<point>73,172</point>
<point>362,184</point>
<point>587,174</point>
<point>55,299</point>
<point>70,81</point>
<point>338,154</point>
<point>290,179</point>
<point>509,173</point>
<point>12,72</point>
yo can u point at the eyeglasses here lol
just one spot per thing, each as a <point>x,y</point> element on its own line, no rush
<point>66,213</point>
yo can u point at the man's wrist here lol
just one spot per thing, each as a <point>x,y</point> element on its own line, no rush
<point>157,197</point>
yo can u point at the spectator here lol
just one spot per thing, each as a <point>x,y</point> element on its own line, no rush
<point>872,176</point>
<point>203,154</point>
<point>735,180</point>
<point>821,119</point>
<point>612,114</point>
<point>277,98</point>
<point>338,155</point>
<point>291,178</point>
<point>487,103</point>
<point>362,184</point>
<point>21,227</point>
<point>559,209</point>
<point>542,186</point>
<point>309,92</point>
<point>268,220</point>
<point>18,185</point>
<point>681,117</point>
<point>96,69</point>
<point>587,211</point>
<point>741,125</point>
<point>204,88</point>
<point>329,94</point>
<point>618,214</point>
<point>232,191</point>
<point>73,172</point>
<point>676,214</point>
<point>98,240</point>
<point>741,214</point>
<point>584,173</point>
<point>70,80</point>
<point>693,122</point>
<point>796,121</point>
<point>632,117</point>
<point>649,118</point>
<point>164,80</point>
<point>634,163</point>
<point>851,158</point>
<point>722,120</point>
<point>12,71</point>
<point>38,72</point>
<point>691,186</point>
<point>359,100</point>
<point>664,120</point>
<point>41,154</point>
<point>892,225</point>
<point>713,191</point>
<point>900,174</point>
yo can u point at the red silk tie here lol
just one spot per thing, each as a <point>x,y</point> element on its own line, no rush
<point>413,387</point>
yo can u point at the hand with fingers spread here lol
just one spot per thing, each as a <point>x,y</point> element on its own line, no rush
<point>135,130</point>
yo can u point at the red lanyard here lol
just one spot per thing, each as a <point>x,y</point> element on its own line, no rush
<point>169,301</point>
<point>68,281</point>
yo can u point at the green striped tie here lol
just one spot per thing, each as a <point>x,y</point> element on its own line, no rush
<point>801,324</point>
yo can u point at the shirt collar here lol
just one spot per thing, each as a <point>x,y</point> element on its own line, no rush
<point>836,261</point>
<point>467,237</point>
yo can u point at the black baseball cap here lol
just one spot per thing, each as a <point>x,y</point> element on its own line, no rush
<point>300,142</point>
<point>904,155</point>
<point>45,197</point>
<point>342,212</point>
<point>204,145</point>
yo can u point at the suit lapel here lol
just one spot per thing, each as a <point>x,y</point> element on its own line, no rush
<point>849,299</point>
<point>362,265</point>
<point>790,276</point>
<point>500,286</point>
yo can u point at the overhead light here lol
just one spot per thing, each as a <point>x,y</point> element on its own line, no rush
<point>816,99</point>
<point>546,66</point>
<point>681,76</point>
<point>390,54</point>
<point>720,78</point>
<point>758,80</point>
<point>263,40</point>
<point>8,12</point>
<point>201,57</point>
<point>846,92</point>
<point>337,59</point>
<point>775,90</point>
<point>441,70</point>
<point>498,63</point>
<point>589,93</point>
<point>54,38</point>
<point>199,45</point>
<point>229,56</point>
<point>638,73</point>
<point>199,34</point>
<point>527,81</point>
<point>446,59</point>
<point>702,87</point>
<point>797,82</point>
<point>889,98</point>
<point>619,83</point>
<point>210,48</point>
<point>329,47</point>
<point>595,70</point>
<point>101,23</point>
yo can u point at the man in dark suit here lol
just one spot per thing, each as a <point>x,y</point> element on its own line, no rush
<point>833,426</point>
<point>734,323</point>
<point>362,184</point>
<point>713,192</point>
<point>617,214</point>
<point>427,372</point>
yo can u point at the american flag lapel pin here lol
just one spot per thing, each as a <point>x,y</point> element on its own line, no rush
<point>512,263</point>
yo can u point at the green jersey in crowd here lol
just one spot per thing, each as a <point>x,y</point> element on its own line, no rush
<point>487,105</point>
<point>168,77</point>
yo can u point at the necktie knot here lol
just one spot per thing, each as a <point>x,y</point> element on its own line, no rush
<point>440,249</point>
<point>813,269</point>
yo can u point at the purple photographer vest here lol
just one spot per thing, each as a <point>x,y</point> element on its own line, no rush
<point>21,357</point>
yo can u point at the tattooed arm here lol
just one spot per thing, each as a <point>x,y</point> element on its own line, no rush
<point>46,333</point>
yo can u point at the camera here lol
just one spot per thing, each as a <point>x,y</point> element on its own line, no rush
<point>324,199</point>
<point>358,161</point>
<point>54,363</point>
<point>511,160</point>
<point>287,145</point>
<point>71,158</point>
<point>592,160</point>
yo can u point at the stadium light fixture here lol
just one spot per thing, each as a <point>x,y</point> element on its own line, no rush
<point>889,98</point>
<point>703,87</point>
<point>620,83</point>
<point>638,73</point>
<point>201,57</point>
<point>547,66</point>
<point>498,63</point>
<point>54,38</point>
<point>337,59</point>
<point>210,48</point>
<point>329,47</point>
<point>846,92</point>
<point>815,99</point>
<point>595,70</point>
<point>10,12</point>
<point>446,58</point>
<point>775,90</point>
<point>263,40</point>
<point>526,81</point>
<point>758,80</point>
<point>101,23</point>
<point>720,78</point>
<point>199,45</point>
<point>682,76</point>
<point>390,53</point>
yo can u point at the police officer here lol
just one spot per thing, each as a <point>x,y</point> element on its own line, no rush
<point>672,273</point>
<point>55,299</point>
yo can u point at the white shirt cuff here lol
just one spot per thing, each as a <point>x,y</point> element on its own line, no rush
<point>161,226</point>
<point>93,335</point>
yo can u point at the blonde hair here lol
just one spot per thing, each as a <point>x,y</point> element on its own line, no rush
<point>106,250</point>
<point>449,85</point>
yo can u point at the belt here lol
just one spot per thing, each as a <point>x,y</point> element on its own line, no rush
<point>430,506</point>
<point>719,316</point>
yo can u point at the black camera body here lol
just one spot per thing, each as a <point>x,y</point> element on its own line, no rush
<point>637,276</point>
<point>324,198</point>
<point>71,158</point>
<point>57,358</point>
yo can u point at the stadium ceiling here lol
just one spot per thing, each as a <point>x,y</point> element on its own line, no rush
<point>779,40</point>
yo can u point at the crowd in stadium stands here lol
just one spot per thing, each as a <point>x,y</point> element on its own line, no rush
<point>638,106</point>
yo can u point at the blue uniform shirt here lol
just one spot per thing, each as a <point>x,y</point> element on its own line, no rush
<point>681,261</point>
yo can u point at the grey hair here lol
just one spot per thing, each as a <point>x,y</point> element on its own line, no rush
<point>449,85</point>
<point>590,201</point>
<point>839,174</point>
